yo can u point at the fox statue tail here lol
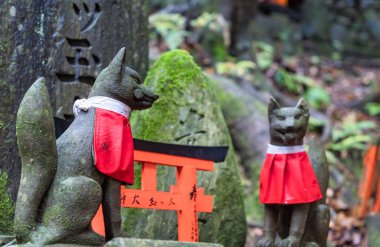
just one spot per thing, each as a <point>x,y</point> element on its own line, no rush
<point>38,151</point>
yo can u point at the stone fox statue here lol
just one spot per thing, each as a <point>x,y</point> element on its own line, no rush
<point>61,185</point>
<point>293,183</point>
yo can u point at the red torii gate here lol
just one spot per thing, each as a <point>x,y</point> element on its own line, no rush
<point>184,197</point>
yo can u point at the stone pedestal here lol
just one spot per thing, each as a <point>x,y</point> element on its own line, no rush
<point>135,242</point>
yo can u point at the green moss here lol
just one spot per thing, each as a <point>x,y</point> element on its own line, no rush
<point>178,72</point>
<point>55,213</point>
<point>6,206</point>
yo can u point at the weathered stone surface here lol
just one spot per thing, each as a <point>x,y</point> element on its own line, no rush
<point>188,113</point>
<point>126,242</point>
<point>373,228</point>
<point>5,239</point>
<point>67,42</point>
<point>36,142</point>
<point>52,245</point>
<point>247,122</point>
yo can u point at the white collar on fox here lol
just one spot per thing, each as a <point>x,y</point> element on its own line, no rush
<point>102,102</point>
<point>272,149</point>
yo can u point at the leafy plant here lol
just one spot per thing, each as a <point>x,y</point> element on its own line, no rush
<point>294,83</point>
<point>170,27</point>
<point>264,54</point>
<point>373,108</point>
<point>211,30</point>
<point>317,97</point>
<point>240,69</point>
<point>212,21</point>
<point>351,135</point>
<point>287,80</point>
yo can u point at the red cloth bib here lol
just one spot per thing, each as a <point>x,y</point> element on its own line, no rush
<point>288,179</point>
<point>113,145</point>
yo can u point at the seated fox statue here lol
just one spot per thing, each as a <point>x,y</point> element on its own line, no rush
<point>64,181</point>
<point>293,183</point>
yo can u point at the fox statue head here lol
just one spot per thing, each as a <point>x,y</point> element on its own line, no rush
<point>122,83</point>
<point>287,124</point>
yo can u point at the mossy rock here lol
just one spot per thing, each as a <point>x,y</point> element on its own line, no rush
<point>126,242</point>
<point>6,207</point>
<point>188,112</point>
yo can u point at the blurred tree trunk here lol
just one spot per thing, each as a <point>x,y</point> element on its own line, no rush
<point>240,14</point>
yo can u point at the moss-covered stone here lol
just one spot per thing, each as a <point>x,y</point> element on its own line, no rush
<point>6,207</point>
<point>187,112</point>
<point>126,242</point>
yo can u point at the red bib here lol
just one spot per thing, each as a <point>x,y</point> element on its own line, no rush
<point>113,145</point>
<point>288,179</point>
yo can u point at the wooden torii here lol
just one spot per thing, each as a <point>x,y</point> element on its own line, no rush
<point>369,187</point>
<point>184,197</point>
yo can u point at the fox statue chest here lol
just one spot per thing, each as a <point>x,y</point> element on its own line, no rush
<point>77,143</point>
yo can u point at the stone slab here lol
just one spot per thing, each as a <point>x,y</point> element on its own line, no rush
<point>135,242</point>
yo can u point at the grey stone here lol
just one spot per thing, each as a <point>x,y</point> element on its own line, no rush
<point>250,134</point>
<point>5,239</point>
<point>126,242</point>
<point>372,19</point>
<point>188,113</point>
<point>373,229</point>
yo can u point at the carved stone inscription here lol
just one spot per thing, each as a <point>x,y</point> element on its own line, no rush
<point>89,33</point>
<point>77,64</point>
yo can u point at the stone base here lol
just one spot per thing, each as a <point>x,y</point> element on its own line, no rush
<point>136,242</point>
<point>4,239</point>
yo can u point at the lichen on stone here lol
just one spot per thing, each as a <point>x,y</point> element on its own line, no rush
<point>6,207</point>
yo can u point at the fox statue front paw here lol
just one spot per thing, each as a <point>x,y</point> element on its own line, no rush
<point>266,242</point>
<point>290,242</point>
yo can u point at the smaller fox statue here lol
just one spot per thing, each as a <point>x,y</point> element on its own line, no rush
<point>293,182</point>
<point>64,181</point>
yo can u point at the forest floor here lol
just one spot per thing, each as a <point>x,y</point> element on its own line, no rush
<point>342,90</point>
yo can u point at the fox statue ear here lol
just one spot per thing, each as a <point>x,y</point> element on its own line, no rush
<point>117,66</point>
<point>303,106</point>
<point>273,105</point>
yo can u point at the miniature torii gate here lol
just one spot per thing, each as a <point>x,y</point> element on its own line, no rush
<point>370,182</point>
<point>184,197</point>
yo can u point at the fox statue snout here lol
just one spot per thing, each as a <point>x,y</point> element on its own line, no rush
<point>144,99</point>
<point>122,83</point>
